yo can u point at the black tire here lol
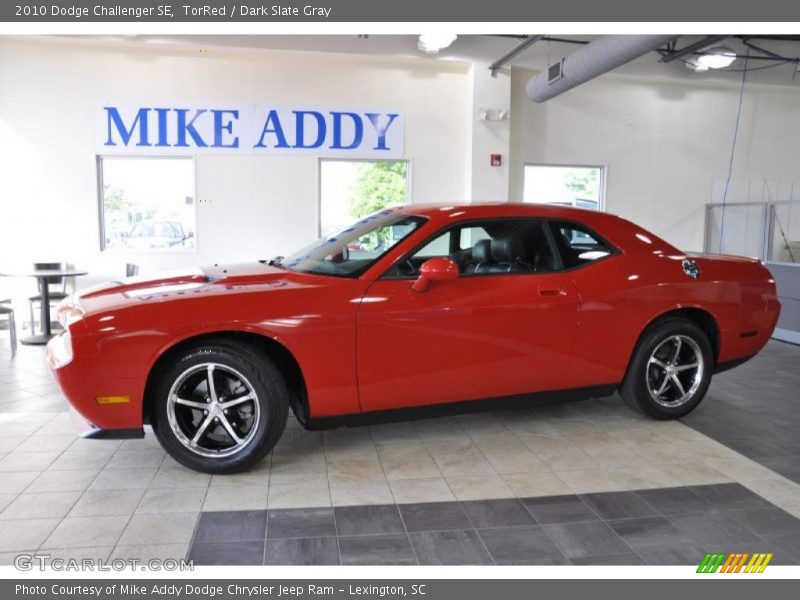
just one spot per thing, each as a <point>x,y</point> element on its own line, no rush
<point>663,336</point>
<point>258,373</point>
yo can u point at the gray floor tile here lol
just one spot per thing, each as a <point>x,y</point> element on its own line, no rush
<point>300,522</point>
<point>550,561</point>
<point>788,466</point>
<point>768,522</point>
<point>713,528</point>
<point>302,551</point>
<point>787,550</point>
<point>673,554</point>
<point>365,520</point>
<point>617,559</point>
<point>559,509</point>
<point>619,505</point>
<point>769,429</point>
<point>228,553</point>
<point>648,531</point>
<point>449,548</point>
<point>231,526</point>
<point>729,496</point>
<point>528,545</point>
<point>679,500</point>
<point>377,550</point>
<point>497,513</point>
<point>434,516</point>
<point>588,539</point>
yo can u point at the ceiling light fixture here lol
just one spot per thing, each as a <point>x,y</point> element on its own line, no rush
<point>431,43</point>
<point>718,57</point>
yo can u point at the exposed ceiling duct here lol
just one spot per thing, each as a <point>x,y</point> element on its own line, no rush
<point>594,59</point>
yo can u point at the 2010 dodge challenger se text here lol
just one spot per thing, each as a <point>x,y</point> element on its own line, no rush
<point>411,307</point>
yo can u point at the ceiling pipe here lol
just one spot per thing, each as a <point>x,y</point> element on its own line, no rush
<point>516,50</point>
<point>698,45</point>
<point>594,59</point>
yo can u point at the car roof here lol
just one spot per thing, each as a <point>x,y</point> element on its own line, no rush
<point>463,212</point>
<point>495,208</point>
<point>617,230</point>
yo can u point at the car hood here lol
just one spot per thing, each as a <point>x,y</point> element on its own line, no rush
<point>171,285</point>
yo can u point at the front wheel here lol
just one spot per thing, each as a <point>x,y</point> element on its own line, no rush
<point>220,407</point>
<point>670,371</point>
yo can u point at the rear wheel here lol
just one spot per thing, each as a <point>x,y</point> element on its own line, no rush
<point>670,371</point>
<point>220,407</point>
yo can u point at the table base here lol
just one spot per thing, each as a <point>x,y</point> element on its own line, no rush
<point>36,340</point>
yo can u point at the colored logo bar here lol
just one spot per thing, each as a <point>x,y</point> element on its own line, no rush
<point>735,562</point>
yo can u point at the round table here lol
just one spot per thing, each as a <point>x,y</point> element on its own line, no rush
<point>42,276</point>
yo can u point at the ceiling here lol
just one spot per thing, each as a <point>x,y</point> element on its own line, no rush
<point>489,48</point>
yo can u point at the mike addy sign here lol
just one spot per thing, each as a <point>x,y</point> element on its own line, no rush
<point>162,129</point>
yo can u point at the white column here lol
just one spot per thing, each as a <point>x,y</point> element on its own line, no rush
<point>486,183</point>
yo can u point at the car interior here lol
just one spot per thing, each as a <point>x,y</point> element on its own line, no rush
<point>509,246</point>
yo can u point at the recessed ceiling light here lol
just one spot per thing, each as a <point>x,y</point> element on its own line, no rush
<point>431,43</point>
<point>714,58</point>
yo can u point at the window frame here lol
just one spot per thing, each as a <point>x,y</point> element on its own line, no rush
<point>613,250</point>
<point>323,159</point>
<point>601,204</point>
<point>420,219</point>
<point>548,231</point>
<point>101,203</point>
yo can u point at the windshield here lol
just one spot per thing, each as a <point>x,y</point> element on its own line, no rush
<point>354,250</point>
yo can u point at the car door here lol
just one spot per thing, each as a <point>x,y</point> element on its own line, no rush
<point>488,333</point>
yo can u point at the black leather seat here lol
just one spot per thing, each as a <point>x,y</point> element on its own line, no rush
<point>482,256</point>
<point>509,255</point>
<point>544,258</point>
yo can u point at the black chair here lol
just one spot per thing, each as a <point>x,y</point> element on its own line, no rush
<point>8,312</point>
<point>131,270</point>
<point>56,296</point>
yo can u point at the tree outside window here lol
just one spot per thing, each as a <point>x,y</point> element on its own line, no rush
<point>351,190</point>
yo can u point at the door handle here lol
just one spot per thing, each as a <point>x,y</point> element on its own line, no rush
<point>551,292</point>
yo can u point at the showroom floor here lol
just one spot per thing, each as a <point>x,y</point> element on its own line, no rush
<point>583,482</point>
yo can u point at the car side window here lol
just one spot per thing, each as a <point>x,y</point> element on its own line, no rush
<point>495,246</point>
<point>577,245</point>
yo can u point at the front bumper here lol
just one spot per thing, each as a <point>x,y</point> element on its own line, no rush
<point>85,380</point>
<point>90,432</point>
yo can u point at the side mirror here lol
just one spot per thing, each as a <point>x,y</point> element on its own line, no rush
<point>435,269</point>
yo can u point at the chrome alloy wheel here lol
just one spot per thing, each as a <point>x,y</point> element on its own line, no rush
<point>675,371</point>
<point>213,410</point>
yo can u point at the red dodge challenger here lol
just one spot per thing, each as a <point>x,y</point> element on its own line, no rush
<point>413,307</point>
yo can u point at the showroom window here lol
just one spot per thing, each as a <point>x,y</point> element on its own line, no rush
<point>567,185</point>
<point>352,189</point>
<point>147,203</point>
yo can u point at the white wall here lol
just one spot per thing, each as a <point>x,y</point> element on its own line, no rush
<point>664,143</point>
<point>487,183</point>
<point>250,207</point>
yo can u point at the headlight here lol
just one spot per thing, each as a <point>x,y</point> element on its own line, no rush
<point>59,350</point>
<point>68,311</point>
